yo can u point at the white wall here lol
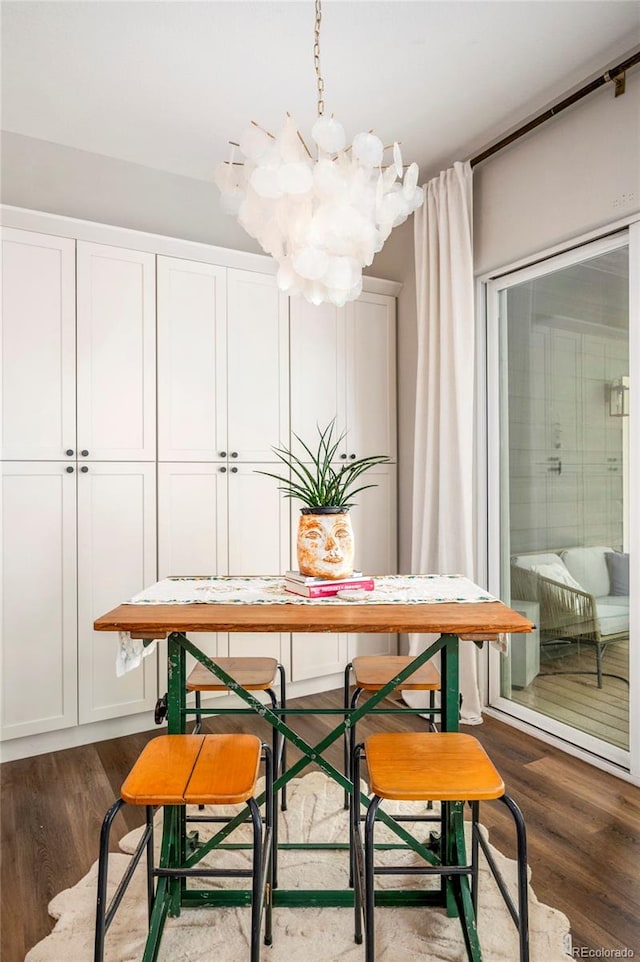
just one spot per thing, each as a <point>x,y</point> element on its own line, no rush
<point>76,183</point>
<point>577,172</point>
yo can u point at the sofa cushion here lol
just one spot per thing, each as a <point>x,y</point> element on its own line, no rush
<point>529,560</point>
<point>589,568</point>
<point>613,619</point>
<point>557,572</point>
<point>615,601</point>
<point>618,566</point>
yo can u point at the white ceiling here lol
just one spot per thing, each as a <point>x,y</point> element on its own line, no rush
<point>167,84</point>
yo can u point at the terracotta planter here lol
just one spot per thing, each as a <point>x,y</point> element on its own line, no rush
<point>325,543</point>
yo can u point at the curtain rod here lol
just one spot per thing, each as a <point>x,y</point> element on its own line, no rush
<point>614,75</point>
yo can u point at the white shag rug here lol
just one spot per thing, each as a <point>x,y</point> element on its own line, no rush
<point>314,814</point>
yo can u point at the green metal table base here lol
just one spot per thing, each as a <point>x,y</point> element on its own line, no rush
<point>179,850</point>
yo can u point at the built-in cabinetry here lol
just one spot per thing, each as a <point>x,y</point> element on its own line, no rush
<point>78,519</point>
<point>343,366</point>
<point>143,394</point>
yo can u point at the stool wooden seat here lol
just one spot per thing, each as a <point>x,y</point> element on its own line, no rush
<point>373,672</point>
<point>253,674</point>
<point>179,770</point>
<point>194,770</point>
<point>452,768</point>
<point>445,766</point>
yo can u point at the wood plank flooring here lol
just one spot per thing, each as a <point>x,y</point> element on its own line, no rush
<point>576,699</point>
<point>583,825</point>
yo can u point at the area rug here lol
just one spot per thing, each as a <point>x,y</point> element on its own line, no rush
<point>315,814</point>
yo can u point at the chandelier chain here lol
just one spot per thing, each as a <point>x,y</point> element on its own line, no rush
<point>316,57</point>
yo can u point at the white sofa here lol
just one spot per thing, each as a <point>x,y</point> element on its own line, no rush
<point>582,593</point>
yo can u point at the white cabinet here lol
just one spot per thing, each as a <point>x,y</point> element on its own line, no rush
<point>223,338</point>
<point>79,475</point>
<point>77,384</point>
<point>343,367</point>
<point>218,520</point>
<point>116,559</point>
<point>258,366</point>
<point>192,361</point>
<point>38,346</point>
<point>116,365</point>
<point>374,525</point>
<point>56,671</point>
<point>39,626</point>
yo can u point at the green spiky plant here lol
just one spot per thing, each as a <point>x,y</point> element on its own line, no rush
<point>314,479</point>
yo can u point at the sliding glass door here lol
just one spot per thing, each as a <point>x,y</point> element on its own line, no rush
<point>561,492</point>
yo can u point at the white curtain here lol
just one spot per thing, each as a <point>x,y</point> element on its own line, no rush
<point>443,515</point>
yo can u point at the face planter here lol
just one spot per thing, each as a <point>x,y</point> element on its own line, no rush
<point>325,545</point>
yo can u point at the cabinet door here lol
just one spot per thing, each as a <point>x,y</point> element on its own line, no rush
<point>374,522</point>
<point>192,532</point>
<point>258,545</point>
<point>116,559</point>
<point>258,366</point>
<point>38,346</point>
<point>192,361</point>
<point>318,366</point>
<point>371,376</point>
<point>116,353</point>
<point>39,598</point>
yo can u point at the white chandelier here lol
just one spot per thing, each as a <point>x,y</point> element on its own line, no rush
<point>322,219</point>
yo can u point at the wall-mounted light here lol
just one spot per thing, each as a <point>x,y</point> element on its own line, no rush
<point>619,398</point>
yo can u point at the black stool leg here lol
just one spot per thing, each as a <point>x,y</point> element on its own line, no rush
<point>271,814</point>
<point>523,893</point>
<point>256,881</point>
<point>150,860</point>
<point>197,728</point>
<point>103,868</point>
<point>475,830</point>
<point>352,728</point>
<point>369,892</point>
<point>277,748</point>
<point>345,738</point>
<point>356,868</point>
<point>283,767</point>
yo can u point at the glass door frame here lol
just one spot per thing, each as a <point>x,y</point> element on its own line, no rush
<point>490,377</point>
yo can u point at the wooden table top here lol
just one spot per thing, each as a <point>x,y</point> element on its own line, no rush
<point>472,618</point>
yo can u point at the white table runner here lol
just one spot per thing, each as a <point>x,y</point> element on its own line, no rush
<point>259,590</point>
<point>229,590</point>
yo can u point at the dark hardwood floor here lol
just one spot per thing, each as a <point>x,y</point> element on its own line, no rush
<point>583,826</point>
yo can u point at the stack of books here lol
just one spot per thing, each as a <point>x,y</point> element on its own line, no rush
<point>323,588</point>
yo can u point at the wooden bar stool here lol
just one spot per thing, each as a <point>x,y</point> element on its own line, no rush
<point>435,766</point>
<point>254,674</point>
<point>373,672</point>
<point>179,770</point>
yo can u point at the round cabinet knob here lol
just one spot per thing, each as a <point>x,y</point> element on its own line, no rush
<point>223,454</point>
<point>234,454</point>
<point>234,470</point>
<point>85,453</point>
<point>223,470</point>
<point>84,469</point>
<point>352,456</point>
<point>343,456</point>
<point>69,470</point>
<point>69,452</point>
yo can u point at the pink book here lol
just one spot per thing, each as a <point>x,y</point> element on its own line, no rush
<point>326,591</point>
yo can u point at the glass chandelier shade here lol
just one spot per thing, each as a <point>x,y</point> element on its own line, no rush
<point>321,218</point>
